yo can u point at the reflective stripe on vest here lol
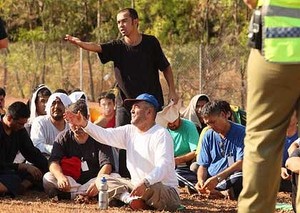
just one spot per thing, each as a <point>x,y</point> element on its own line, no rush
<point>281,31</point>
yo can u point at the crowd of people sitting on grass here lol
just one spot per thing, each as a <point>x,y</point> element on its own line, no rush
<point>58,144</point>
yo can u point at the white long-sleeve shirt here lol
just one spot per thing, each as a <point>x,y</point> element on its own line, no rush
<point>149,154</point>
<point>43,133</point>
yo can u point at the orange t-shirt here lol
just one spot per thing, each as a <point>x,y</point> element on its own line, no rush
<point>94,114</point>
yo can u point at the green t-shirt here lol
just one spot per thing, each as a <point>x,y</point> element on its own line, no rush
<point>185,138</point>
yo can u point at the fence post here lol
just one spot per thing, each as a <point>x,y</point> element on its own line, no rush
<point>200,69</point>
<point>80,69</point>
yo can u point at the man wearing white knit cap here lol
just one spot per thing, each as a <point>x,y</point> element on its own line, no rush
<point>45,128</point>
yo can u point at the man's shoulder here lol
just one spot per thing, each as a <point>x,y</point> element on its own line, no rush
<point>158,127</point>
<point>64,135</point>
<point>238,127</point>
<point>22,131</point>
<point>158,131</point>
<point>149,38</point>
<point>189,124</point>
<point>210,137</point>
<point>42,119</point>
<point>209,132</point>
<point>114,42</point>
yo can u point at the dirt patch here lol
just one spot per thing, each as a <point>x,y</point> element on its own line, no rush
<point>34,201</point>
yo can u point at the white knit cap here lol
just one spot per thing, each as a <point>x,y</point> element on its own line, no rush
<point>63,98</point>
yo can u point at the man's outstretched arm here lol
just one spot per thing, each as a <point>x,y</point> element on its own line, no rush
<point>84,45</point>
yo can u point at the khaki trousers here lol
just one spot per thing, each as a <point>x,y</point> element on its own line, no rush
<point>159,196</point>
<point>273,94</point>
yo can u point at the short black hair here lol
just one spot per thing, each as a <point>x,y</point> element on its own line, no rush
<point>80,106</point>
<point>60,90</point>
<point>108,95</point>
<point>43,92</point>
<point>225,106</point>
<point>203,98</point>
<point>74,90</point>
<point>132,12</point>
<point>18,110</point>
<point>2,92</point>
<point>212,108</point>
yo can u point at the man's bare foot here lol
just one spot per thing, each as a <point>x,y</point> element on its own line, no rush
<point>215,194</point>
<point>25,185</point>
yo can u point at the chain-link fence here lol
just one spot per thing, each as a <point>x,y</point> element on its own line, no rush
<point>216,70</point>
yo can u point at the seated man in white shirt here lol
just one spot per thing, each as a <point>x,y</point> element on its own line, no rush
<point>185,139</point>
<point>45,128</point>
<point>150,156</point>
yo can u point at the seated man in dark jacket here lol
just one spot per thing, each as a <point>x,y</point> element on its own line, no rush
<point>15,178</point>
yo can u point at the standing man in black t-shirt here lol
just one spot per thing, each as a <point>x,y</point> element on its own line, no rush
<point>137,59</point>
<point>3,36</point>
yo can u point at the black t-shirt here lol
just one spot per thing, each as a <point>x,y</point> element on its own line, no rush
<point>94,153</point>
<point>19,141</point>
<point>2,30</point>
<point>136,67</point>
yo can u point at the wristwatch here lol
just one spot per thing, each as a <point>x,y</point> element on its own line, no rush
<point>146,183</point>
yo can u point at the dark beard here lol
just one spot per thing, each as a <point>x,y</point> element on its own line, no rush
<point>58,117</point>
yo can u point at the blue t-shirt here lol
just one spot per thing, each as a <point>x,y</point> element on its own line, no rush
<point>185,138</point>
<point>215,151</point>
<point>288,142</point>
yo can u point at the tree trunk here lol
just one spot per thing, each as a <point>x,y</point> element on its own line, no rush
<point>64,75</point>
<point>19,84</point>
<point>91,76</point>
<point>5,70</point>
<point>207,22</point>
<point>44,69</point>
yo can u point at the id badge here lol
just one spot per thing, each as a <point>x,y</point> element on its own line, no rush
<point>230,160</point>
<point>84,166</point>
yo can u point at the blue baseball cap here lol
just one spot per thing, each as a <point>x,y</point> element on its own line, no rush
<point>143,97</point>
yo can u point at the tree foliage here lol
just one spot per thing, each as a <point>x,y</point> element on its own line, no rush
<point>37,27</point>
<point>172,21</point>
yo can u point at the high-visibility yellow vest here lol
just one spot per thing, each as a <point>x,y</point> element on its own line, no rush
<point>281,30</point>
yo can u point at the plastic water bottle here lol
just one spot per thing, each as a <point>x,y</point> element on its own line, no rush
<point>103,195</point>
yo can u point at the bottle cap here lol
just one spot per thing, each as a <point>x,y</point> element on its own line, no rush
<point>103,180</point>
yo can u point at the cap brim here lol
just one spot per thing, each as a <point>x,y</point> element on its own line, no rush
<point>129,102</point>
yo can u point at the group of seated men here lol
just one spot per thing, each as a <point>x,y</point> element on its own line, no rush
<point>66,153</point>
